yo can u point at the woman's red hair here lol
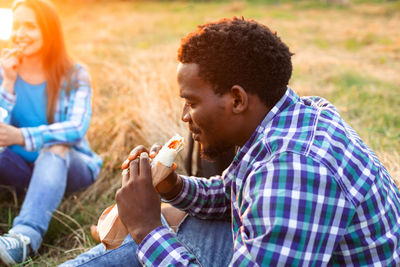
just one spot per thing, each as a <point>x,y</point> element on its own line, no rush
<point>56,61</point>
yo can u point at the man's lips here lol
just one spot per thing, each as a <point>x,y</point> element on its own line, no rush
<point>195,133</point>
<point>194,130</point>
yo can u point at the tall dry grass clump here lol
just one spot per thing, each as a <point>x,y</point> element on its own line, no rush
<point>136,103</point>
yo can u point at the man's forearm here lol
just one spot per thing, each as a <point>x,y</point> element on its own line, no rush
<point>170,187</point>
<point>201,197</point>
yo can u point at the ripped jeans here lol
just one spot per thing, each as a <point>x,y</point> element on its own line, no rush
<point>47,180</point>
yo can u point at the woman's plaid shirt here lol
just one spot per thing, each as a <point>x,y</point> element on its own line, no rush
<point>71,120</point>
<point>303,191</point>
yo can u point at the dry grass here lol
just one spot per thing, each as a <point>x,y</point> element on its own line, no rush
<point>349,55</point>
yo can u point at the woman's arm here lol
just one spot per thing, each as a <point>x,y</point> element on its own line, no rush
<point>7,98</point>
<point>9,61</point>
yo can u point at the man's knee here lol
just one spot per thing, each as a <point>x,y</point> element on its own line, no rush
<point>60,150</point>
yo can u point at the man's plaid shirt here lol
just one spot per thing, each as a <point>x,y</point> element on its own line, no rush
<point>303,191</point>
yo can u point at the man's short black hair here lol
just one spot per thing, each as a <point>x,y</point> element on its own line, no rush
<point>239,52</point>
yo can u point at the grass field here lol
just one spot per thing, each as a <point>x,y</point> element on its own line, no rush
<point>349,55</point>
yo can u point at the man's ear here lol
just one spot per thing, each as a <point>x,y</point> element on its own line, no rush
<point>240,99</point>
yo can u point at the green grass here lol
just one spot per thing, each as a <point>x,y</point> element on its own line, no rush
<point>346,54</point>
<point>368,103</point>
<point>321,43</point>
<point>356,43</point>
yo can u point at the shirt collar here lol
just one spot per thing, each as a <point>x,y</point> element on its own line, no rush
<point>289,98</point>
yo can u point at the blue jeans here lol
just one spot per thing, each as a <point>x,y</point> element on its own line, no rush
<point>210,241</point>
<point>47,180</point>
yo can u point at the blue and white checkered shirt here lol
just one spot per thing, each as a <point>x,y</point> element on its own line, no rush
<point>71,120</point>
<point>303,191</point>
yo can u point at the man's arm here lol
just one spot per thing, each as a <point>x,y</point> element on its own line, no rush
<point>158,246</point>
<point>201,197</point>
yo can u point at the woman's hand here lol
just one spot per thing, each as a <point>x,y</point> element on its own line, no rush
<point>10,135</point>
<point>9,61</point>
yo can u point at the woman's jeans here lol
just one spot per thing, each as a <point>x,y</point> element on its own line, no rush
<point>47,180</point>
<point>210,241</point>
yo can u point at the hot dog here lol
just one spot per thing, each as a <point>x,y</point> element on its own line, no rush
<point>166,155</point>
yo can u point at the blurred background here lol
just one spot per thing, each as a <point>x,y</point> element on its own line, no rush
<point>347,51</point>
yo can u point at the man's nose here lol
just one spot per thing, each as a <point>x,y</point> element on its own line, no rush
<point>185,114</point>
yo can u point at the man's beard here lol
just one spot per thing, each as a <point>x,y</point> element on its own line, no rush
<point>211,153</point>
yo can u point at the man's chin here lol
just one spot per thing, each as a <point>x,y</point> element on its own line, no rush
<point>212,153</point>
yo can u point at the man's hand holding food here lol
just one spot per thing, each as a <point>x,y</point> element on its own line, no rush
<point>139,203</point>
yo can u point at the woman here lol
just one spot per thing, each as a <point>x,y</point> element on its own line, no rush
<point>48,99</point>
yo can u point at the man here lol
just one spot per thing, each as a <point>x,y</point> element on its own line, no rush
<point>303,189</point>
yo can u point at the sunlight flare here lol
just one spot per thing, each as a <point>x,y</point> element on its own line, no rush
<point>6,19</point>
